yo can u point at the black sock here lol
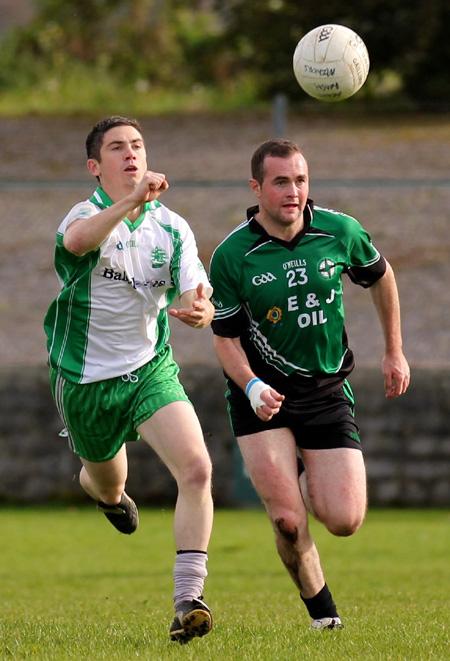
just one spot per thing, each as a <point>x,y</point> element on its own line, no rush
<point>322,605</point>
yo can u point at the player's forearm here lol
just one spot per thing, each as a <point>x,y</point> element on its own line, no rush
<point>86,234</point>
<point>234,360</point>
<point>385,298</point>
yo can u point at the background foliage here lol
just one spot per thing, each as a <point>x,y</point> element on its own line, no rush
<point>240,48</point>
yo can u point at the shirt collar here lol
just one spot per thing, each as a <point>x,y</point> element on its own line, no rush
<point>102,200</point>
<point>308,214</point>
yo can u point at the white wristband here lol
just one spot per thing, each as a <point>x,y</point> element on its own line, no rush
<point>253,391</point>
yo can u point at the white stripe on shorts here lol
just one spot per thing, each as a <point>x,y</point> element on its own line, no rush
<point>59,400</point>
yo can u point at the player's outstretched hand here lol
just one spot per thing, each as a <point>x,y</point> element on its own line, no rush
<point>200,314</point>
<point>396,374</point>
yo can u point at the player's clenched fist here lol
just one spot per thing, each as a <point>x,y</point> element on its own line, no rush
<point>152,185</point>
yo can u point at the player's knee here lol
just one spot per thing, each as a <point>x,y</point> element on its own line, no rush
<point>197,474</point>
<point>344,526</point>
<point>287,525</point>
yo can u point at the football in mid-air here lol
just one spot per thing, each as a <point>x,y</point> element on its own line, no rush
<point>331,63</point>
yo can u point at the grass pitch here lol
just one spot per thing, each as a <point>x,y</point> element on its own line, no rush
<point>74,588</point>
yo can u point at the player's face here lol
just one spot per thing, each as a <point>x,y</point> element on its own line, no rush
<point>283,193</point>
<point>123,161</point>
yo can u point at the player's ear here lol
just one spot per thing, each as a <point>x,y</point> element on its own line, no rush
<point>255,186</point>
<point>93,166</point>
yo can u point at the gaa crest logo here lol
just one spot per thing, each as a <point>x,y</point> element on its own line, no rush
<point>327,268</point>
<point>263,279</point>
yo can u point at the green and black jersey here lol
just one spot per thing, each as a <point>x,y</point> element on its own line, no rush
<point>284,300</point>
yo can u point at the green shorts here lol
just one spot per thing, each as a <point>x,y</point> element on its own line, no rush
<point>100,417</point>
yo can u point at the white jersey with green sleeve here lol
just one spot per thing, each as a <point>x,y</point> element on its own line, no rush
<point>284,300</point>
<point>110,317</point>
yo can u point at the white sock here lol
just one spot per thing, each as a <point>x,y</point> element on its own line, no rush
<point>189,575</point>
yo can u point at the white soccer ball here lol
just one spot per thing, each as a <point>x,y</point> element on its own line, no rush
<point>331,63</point>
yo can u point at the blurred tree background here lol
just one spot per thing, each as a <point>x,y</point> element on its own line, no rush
<point>227,52</point>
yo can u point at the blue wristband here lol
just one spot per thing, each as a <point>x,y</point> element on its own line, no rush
<point>250,384</point>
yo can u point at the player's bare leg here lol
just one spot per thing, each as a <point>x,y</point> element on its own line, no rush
<point>105,482</point>
<point>334,484</point>
<point>175,434</point>
<point>270,458</point>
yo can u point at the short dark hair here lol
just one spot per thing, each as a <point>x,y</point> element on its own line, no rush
<point>273,147</point>
<point>95,138</point>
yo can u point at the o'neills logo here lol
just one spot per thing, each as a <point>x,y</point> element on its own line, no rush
<point>110,274</point>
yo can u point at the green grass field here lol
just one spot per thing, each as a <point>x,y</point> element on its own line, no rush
<point>73,588</point>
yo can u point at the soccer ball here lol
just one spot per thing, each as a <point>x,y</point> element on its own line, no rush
<point>331,62</point>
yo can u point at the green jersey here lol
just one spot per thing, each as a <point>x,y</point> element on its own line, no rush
<point>284,300</point>
<point>110,317</point>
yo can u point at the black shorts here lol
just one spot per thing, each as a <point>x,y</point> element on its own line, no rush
<point>321,424</point>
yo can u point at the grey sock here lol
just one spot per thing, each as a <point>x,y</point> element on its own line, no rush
<point>189,575</point>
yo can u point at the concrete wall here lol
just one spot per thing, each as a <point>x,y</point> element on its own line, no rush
<point>406,442</point>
